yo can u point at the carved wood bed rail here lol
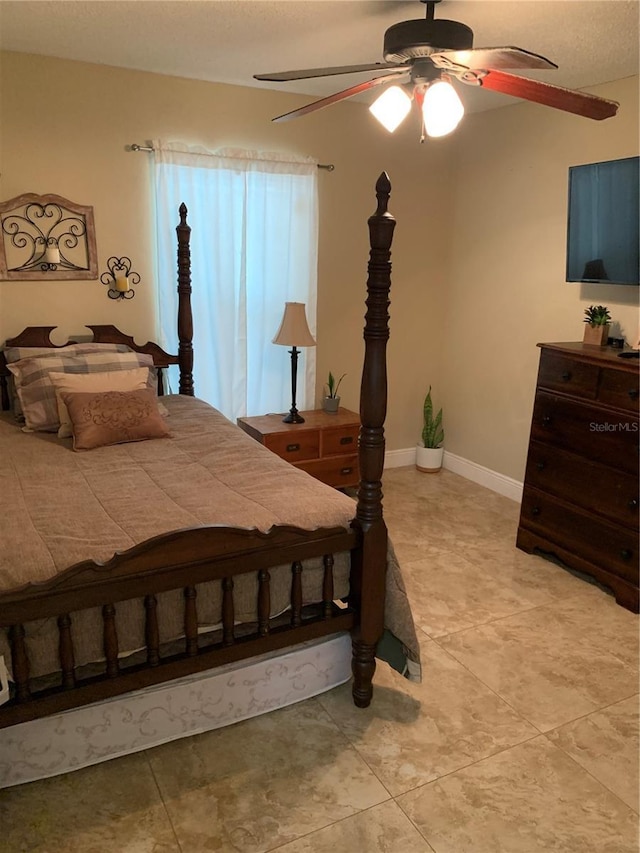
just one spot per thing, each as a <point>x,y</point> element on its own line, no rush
<point>185,558</point>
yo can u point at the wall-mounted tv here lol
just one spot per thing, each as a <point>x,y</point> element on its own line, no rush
<point>603,234</point>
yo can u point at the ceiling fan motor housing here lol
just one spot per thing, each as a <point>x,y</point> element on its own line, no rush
<point>414,39</point>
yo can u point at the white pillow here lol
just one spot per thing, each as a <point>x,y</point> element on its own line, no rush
<point>110,380</point>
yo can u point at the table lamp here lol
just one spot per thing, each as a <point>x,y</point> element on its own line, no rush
<point>294,332</point>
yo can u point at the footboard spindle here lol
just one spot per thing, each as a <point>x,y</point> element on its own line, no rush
<point>110,640</point>
<point>65,650</point>
<point>264,601</point>
<point>296,594</point>
<point>228,612</point>
<point>191,620</point>
<point>152,630</point>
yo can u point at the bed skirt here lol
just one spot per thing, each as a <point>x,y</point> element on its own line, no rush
<point>147,718</point>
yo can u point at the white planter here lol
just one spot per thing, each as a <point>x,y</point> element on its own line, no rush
<point>429,459</point>
<point>331,405</point>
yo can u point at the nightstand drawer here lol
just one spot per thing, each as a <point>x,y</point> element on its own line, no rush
<point>340,440</point>
<point>341,471</point>
<point>294,445</point>
<point>558,373</point>
<point>620,389</point>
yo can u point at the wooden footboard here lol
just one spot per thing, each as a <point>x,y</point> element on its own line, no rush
<point>180,560</point>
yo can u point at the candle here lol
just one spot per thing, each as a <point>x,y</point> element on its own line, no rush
<point>122,283</point>
<point>52,255</point>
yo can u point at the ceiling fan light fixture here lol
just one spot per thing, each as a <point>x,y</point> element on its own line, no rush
<point>391,107</point>
<point>442,109</point>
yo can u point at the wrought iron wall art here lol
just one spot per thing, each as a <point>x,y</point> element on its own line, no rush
<point>119,278</point>
<point>47,237</point>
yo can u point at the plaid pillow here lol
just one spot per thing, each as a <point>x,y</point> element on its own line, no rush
<point>12,354</point>
<point>36,391</point>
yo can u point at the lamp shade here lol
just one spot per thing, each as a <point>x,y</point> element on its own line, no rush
<point>294,331</point>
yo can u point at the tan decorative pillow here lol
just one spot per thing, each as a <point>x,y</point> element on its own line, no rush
<point>109,380</point>
<point>113,417</point>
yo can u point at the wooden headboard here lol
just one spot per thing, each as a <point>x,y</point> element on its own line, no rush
<point>40,336</point>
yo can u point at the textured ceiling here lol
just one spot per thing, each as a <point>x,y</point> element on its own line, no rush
<point>227,41</point>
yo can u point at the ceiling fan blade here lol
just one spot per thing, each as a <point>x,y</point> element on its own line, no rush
<point>484,58</point>
<point>339,96</point>
<point>306,73</point>
<point>570,100</point>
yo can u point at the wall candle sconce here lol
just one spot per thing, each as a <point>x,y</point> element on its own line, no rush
<point>119,278</point>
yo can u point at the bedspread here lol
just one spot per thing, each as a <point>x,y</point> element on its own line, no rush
<point>60,507</point>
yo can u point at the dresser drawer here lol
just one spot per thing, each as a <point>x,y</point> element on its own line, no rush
<point>587,431</point>
<point>338,471</point>
<point>559,373</point>
<point>619,388</point>
<point>607,546</point>
<point>585,483</point>
<point>340,440</point>
<point>295,445</point>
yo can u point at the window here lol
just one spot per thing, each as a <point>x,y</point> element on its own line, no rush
<point>254,246</point>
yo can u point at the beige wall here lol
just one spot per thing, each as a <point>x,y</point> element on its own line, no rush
<point>506,279</point>
<point>64,127</point>
<point>478,255</point>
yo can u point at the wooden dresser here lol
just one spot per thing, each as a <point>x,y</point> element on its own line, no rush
<point>325,446</point>
<point>580,498</point>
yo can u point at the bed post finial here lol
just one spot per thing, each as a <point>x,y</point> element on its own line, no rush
<point>383,191</point>
<point>371,573</point>
<point>185,316</point>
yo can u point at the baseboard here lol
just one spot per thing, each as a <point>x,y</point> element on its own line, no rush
<point>500,483</point>
<point>400,458</point>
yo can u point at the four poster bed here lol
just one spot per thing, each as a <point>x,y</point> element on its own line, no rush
<point>141,564</point>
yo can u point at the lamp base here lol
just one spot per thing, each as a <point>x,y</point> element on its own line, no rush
<point>294,417</point>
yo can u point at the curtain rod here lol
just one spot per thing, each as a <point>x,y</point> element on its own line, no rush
<point>328,166</point>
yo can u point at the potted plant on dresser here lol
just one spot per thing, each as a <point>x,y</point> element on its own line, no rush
<point>331,401</point>
<point>596,330</point>
<point>430,451</point>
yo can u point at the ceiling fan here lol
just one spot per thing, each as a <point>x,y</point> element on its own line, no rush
<point>420,58</point>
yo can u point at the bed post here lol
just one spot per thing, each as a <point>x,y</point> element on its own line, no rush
<point>185,317</point>
<point>371,560</point>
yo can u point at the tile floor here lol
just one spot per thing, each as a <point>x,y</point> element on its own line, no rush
<point>522,738</point>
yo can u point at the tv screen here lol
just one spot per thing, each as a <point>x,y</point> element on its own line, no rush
<point>603,234</point>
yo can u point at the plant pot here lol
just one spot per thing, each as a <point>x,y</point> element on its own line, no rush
<point>429,459</point>
<point>596,336</point>
<point>331,405</point>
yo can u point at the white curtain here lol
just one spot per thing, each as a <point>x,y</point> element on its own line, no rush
<point>254,246</point>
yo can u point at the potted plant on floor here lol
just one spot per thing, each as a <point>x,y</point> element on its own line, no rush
<point>331,401</point>
<point>596,331</point>
<point>430,451</point>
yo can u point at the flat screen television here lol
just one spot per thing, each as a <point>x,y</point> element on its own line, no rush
<point>603,233</point>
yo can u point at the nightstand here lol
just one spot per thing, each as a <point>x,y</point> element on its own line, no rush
<point>325,446</point>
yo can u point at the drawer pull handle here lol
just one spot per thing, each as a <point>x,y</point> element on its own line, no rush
<point>633,503</point>
<point>626,554</point>
<point>346,439</point>
<point>566,375</point>
<point>541,466</point>
<point>546,420</point>
<point>346,470</point>
<point>291,448</point>
<point>535,510</point>
<point>633,393</point>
